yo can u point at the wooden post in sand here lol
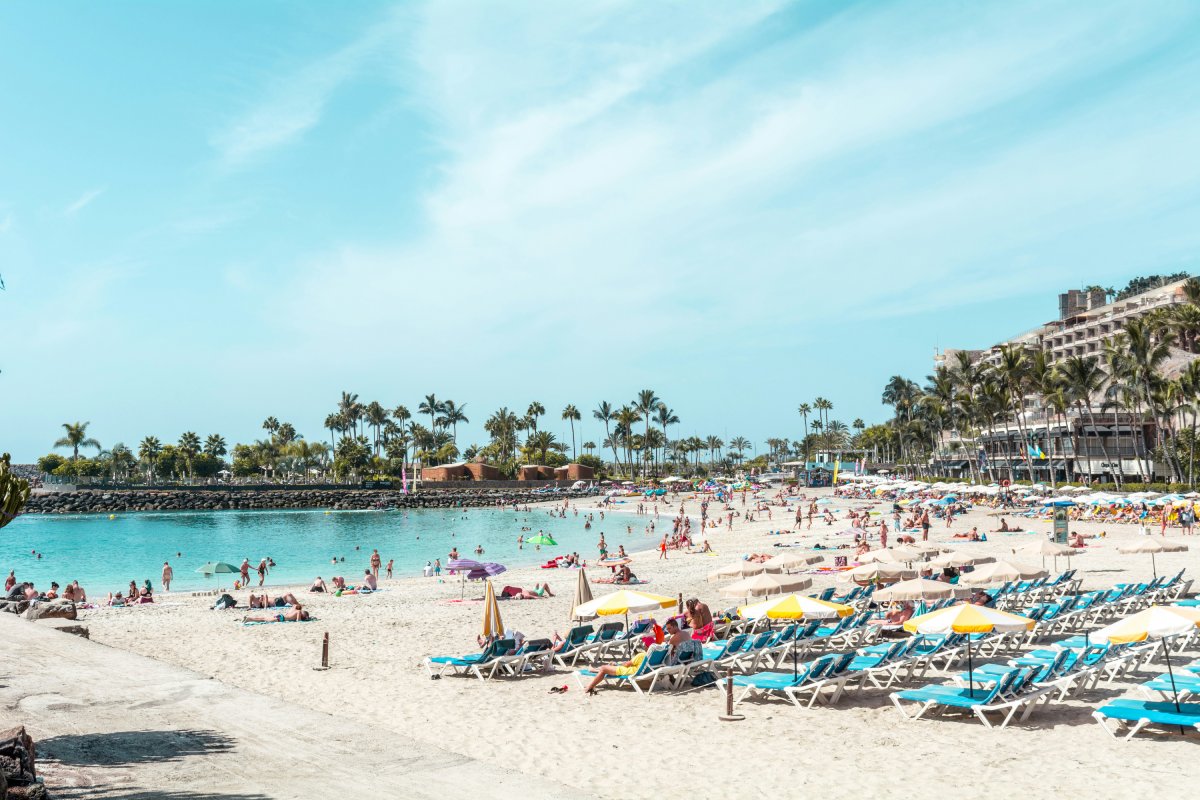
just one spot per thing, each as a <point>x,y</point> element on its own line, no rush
<point>324,653</point>
<point>729,716</point>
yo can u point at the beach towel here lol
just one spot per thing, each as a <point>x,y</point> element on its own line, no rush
<point>634,582</point>
<point>275,621</point>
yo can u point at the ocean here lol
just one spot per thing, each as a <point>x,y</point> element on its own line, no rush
<point>105,554</point>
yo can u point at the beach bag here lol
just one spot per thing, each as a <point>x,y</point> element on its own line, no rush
<point>704,678</point>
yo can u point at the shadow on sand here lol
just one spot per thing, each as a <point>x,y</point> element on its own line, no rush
<point>132,747</point>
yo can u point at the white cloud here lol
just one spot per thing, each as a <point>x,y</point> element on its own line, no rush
<point>295,103</point>
<point>83,201</point>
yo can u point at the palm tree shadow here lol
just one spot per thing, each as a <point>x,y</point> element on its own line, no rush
<point>124,748</point>
<point>115,793</point>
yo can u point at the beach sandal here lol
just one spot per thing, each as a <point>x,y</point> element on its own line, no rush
<point>559,690</point>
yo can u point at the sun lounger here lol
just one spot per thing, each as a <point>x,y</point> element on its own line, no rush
<point>576,640</point>
<point>767,683</point>
<point>532,654</point>
<point>473,662</point>
<point>653,668</point>
<point>1184,685</point>
<point>1138,714</point>
<point>998,696</point>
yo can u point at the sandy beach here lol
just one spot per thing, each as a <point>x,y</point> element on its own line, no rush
<point>671,744</point>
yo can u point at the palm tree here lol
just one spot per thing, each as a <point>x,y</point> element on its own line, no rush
<point>532,414</point>
<point>1082,378</point>
<point>805,409</point>
<point>270,425</point>
<point>1013,371</point>
<point>739,444</point>
<point>375,416</point>
<point>351,410</point>
<point>76,438</point>
<point>431,406</point>
<point>572,415</point>
<point>823,407</point>
<point>604,413</point>
<point>625,417</point>
<point>665,416</point>
<point>214,445</point>
<point>646,404</point>
<point>452,414</point>
<point>189,446</point>
<point>333,422</point>
<point>1146,353</point>
<point>541,441</point>
<point>148,450</point>
<point>712,444</point>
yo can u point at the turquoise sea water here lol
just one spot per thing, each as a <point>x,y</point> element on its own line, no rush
<point>105,554</point>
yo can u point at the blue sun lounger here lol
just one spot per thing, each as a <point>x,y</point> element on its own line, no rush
<point>473,662</point>
<point>1137,714</point>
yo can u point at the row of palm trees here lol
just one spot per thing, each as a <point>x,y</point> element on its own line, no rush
<point>1134,383</point>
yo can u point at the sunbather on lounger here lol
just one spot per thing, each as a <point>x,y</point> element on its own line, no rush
<point>630,667</point>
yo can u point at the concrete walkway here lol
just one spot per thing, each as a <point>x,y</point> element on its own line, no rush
<point>112,725</point>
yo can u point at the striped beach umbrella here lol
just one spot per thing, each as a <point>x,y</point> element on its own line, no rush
<point>1159,622</point>
<point>967,618</point>
<point>795,606</point>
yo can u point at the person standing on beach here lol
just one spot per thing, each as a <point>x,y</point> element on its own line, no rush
<point>262,571</point>
<point>245,572</point>
<point>376,563</point>
<point>10,581</point>
<point>925,525</point>
<point>437,568</point>
<point>662,549</point>
<point>167,575</point>
<point>389,568</point>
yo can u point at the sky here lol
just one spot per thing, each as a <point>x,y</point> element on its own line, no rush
<point>213,212</point>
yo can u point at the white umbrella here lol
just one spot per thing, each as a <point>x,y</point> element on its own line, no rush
<point>882,572</point>
<point>1044,547</point>
<point>1000,572</point>
<point>919,589</point>
<point>958,558</point>
<point>785,561</point>
<point>764,585</point>
<point>1151,545</point>
<point>738,569</point>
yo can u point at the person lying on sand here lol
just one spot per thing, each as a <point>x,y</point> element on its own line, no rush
<point>517,593</point>
<point>264,600</point>
<point>296,614</point>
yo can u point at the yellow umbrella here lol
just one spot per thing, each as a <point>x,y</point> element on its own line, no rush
<point>1160,621</point>
<point>795,606</point>
<point>493,628</point>
<point>622,601</point>
<point>967,618</point>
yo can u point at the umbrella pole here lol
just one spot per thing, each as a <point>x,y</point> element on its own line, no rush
<point>1171,674</point>
<point>970,669</point>
<point>1153,566</point>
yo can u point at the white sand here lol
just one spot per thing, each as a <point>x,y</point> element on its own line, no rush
<point>670,745</point>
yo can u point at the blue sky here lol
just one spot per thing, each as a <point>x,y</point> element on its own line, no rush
<point>214,212</point>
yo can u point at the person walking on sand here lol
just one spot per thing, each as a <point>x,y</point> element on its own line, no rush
<point>245,572</point>
<point>376,563</point>
<point>262,572</point>
<point>167,575</point>
<point>662,549</point>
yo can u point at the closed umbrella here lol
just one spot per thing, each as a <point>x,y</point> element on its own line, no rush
<point>738,569</point>
<point>794,606</point>
<point>493,628</point>
<point>919,589</point>
<point>1151,545</point>
<point>1154,622</point>
<point>583,593</point>
<point>1000,572</point>
<point>967,619</point>
<point>765,584</point>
